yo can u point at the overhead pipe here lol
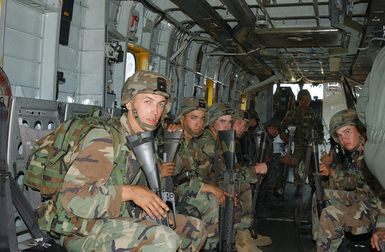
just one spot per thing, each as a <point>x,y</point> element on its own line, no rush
<point>262,84</point>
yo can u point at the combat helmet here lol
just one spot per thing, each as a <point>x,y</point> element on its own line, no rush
<point>252,114</point>
<point>240,114</point>
<point>217,110</point>
<point>189,104</point>
<point>341,119</point>
<point>273,123</point>
<point>150,83</point>
<point>145,82</point>
<point>303,92</point>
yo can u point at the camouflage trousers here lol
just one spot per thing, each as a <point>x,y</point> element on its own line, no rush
<point>127,234</point>
<point>208,206</point>
<point>345,211</point>
<point>244,213</point>
<point>299,156</point>
<point>275,173</point>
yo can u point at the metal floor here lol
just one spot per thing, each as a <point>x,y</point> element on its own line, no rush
<point>276,219</point>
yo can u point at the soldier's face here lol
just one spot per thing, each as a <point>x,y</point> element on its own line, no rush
<point>304,101</point>
<point>240,127</point>
<point>149,107</point>
<point>348,137</point>
<point>272,131</point>
<point>253,123</point>
<point>223,123</point>
<point>194,122</point>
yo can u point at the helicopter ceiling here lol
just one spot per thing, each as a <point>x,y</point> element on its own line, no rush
<point>302,40</point>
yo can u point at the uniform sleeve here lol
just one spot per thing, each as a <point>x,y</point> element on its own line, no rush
<point>287,120</point>
<point>248,174</point>
<point>85,192</point>
<point>343,179</point>
<point>381,214</point>
<point>191,188</point>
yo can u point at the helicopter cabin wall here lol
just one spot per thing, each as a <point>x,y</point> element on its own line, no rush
<point>90,69</point>
<point>30,40</point>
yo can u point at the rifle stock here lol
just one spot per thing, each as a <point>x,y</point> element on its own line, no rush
<point>142,144</point>
<point>171,143</point>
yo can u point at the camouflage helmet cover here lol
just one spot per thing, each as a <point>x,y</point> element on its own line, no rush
<point>252,114</point>
<point>240,114</point>
<point>189,104</point>
<point>145,82</point>
<point>341,119</point>
<point>303,92</point>
<point>219,109</point>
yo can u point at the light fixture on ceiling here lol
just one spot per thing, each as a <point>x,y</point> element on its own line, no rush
<point>299,38</point>
<point>321,67</point>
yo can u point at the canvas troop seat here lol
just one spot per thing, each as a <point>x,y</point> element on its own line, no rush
<point>30,120</point>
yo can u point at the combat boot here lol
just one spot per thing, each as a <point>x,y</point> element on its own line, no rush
<point>242,242</point>
<point>260,241</point>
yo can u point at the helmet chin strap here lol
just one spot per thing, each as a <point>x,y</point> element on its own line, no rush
<point>142,124</point>
<point>360,142</point>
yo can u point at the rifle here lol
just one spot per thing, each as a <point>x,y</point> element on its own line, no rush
<point>258,144</point>
<point>291,130</point>
<point>226,213</point>
<point>142,144</point>
<point>319,190</point>
<point>261,158</point>
<point>171,142</point>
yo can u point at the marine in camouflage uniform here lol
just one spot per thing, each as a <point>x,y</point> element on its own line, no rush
<point>305,119</point>
<point>220,118</point>
<point>272,183</point>
<point>95,209</point>
<point>203,196</point>
<point>353,201</point>
<point>249,140</point>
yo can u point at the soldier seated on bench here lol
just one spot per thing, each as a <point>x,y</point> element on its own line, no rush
<point>353,201</point>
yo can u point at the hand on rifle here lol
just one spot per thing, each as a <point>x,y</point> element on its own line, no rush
<point>167,169</point>
<point>260,168</point>
<point>145,199</point>
<point>218,192</point>
<point>288,160</point>
<point>327,159</point>
<point>174,127</point>
<point>325,170</point>
<point>377,236</point>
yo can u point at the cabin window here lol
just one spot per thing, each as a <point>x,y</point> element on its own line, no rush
<point>130,65</point>
<point>315,91</point>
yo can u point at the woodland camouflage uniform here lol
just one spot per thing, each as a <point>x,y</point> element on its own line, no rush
<point>214,168</point>
<point>249,141</point>
<point>353,197</point>
<point>188,158</point>
<point>305,119</point>
<point>88,214</point>
<point>272,182</point>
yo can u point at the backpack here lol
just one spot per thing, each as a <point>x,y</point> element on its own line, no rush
<point>53,154</point>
